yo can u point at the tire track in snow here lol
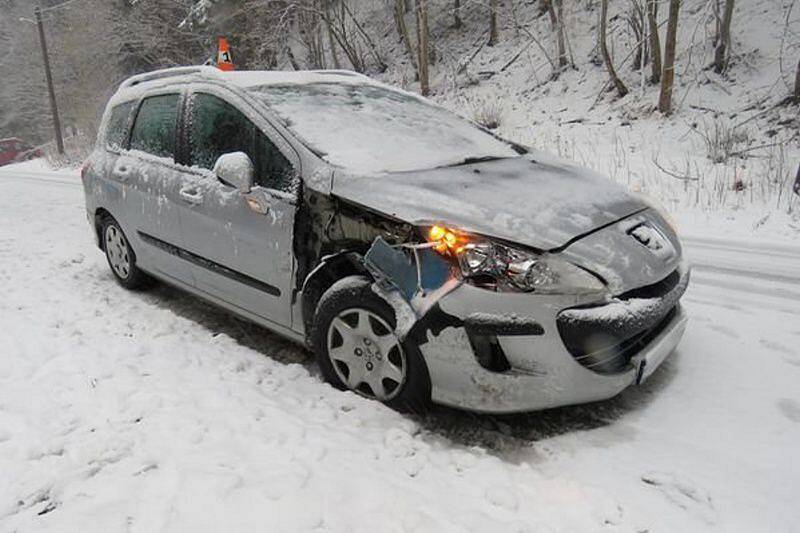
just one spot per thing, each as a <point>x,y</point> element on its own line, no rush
<point>40,177</point>
<point>743,268</point>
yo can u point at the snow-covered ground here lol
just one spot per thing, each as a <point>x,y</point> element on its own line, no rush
<point>153,411</point>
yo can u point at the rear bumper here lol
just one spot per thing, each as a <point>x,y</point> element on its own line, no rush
<point>543,373</point>
<point>93,225</point>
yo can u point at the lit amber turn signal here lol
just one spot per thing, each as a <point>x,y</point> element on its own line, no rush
<point>445,239</point>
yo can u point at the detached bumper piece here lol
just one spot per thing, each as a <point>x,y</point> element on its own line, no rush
<point>604,338</point>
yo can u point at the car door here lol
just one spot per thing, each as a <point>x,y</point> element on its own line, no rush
<point>153,180</point>
<point>112,189</point>
<point>242,243</point>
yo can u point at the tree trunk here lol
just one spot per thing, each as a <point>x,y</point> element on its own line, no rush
<point>621,89</point>
<point>655,41</point>
<point>292,60</point>
<point>556,26</point>
<point>722,52</point>
<point>668,74</point>
<point>422,46</point>
<point>402,29</point>
<point>637,22</point>
<point>797,84</point>
<point>493,22</point>
<point>456,14</point>
<point>331,41</point>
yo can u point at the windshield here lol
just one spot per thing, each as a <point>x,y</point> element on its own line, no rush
<point>369,129</point>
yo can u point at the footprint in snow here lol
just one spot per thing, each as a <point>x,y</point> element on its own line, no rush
<point>683,493</point>
<point>775,346</point>
<point>502,497</point>
<point>790,409</point>
<point>728,332</point>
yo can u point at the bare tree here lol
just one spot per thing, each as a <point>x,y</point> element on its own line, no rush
<point>402,29</point>
<point>655,41</point>
<point>668,74</point>
<point>456,14</point>
<point>637,20</point>
<point>622,90</point>
<point>309,30</point>
<point>493,33</point>
<point>422,46</point>
<point>555,9</point>
<point>797,84</point>
<point>722,52</point>
<point>373,49</point>
<point>351,36</point>
<point>329,28</point>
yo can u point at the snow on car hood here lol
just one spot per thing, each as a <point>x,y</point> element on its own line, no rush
<point>532,200</point>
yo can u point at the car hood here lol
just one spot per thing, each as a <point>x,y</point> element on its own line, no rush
<point>534,200</point>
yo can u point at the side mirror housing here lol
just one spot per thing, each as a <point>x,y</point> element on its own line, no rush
<point>235,169</point>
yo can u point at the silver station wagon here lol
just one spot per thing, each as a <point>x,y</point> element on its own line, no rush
<point>420,256</point>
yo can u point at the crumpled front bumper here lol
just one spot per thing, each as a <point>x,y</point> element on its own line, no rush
<point>543,373</point>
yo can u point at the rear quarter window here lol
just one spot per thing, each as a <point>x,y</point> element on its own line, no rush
<point>154,129</point>
<point>117,129</point>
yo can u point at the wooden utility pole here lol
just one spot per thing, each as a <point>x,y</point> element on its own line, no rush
<point>53,107</point>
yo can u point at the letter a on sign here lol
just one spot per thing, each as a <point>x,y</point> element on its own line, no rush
<point>224,59</point>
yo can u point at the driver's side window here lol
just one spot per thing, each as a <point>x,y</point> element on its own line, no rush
<point>217,128</point>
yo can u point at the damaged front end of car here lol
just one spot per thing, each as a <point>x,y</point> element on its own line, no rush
<point>504,327</point>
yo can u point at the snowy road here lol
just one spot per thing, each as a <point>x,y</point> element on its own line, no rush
<point>155,411</point>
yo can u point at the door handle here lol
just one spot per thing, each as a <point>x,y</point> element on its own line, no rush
<point>193,196</point>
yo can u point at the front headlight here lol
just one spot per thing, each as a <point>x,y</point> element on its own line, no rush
<point>503,267</point>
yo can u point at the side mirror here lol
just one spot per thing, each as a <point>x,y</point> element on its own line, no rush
<point>236,170</point>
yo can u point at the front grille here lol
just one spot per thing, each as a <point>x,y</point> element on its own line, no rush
<point>604,338</point>
<point>656,290</point>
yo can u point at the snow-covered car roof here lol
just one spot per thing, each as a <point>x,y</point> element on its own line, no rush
<point>244,79</point>
<point>255,78</point>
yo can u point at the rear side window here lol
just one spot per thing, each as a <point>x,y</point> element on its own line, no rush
<point>118,125</point>
<point>216,128</point>
<point>154,129</point>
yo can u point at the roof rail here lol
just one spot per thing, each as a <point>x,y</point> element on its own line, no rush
<point>339,72</point>
<point>168,73</point>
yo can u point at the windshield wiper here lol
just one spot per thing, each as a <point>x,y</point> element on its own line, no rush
<point>471,160</point>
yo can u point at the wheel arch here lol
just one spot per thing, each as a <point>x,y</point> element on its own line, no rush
<point>330,269</point>
<point>100,214</point>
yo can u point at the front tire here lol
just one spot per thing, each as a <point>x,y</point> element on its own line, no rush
<point>120,256</point>
<point>357,349</point>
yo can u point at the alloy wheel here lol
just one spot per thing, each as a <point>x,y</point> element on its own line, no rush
<point>366,354</point>
<point>117,250</point>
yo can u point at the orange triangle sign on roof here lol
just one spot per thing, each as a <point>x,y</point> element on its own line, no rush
<point>224,58</point>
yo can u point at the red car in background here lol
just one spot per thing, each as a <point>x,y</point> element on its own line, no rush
<point>13,150</point>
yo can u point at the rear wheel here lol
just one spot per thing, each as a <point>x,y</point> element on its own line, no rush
<point>120,256</point>
<point>357,348</point>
